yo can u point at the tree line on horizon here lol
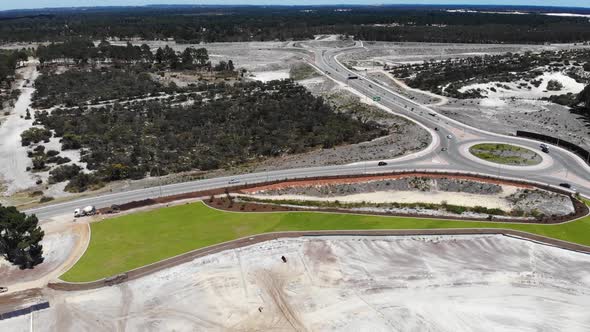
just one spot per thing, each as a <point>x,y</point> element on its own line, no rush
<point>83,51</point>
<point>238,24</point>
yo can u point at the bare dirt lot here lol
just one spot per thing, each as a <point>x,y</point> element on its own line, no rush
<point>456,283</point>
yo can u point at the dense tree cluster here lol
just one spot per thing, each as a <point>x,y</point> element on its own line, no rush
<point>194,24</point>
<point>450,75</point>
<point>35,135</point>
<point>63,173</point>
<point>77,86</point>
<point>243,122</point>
<point>20,238</point>
<point>82,51</point>
<point>9,61</point>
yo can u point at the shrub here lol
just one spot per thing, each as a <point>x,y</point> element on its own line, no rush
<point>82,182</point>
<point>71,142</point>
<point>38,163</point>
<point>46,199</point>
<point>63,173</point>
<point>52,153</point>
<point>554,85</point>
<point>35,135</point>
<point>36,193</point>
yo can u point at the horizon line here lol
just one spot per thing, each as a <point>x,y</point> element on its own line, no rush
<point>293,6</point>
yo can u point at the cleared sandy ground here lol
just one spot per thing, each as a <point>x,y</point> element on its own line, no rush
<point>426,283</point>
<point>13,156</point>
<point>402,196</point>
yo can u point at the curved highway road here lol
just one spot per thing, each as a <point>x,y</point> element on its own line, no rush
<point>560,165</point>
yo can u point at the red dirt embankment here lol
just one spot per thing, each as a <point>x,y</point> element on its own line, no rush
<point>366,178</point>
<point>580,208</point>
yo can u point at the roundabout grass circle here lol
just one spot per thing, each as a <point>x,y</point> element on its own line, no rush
<point>506,154</point>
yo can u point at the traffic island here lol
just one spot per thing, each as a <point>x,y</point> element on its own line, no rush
<point>506,154</point>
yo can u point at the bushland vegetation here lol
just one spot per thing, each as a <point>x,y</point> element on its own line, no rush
<point>448,76</point>
<point>221,127</point>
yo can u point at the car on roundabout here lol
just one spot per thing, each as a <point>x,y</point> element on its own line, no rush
<point>381,163</point>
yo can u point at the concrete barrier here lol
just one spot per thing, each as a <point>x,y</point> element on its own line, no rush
<point>24,311</point>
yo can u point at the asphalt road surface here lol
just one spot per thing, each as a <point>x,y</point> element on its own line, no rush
<point>559,165</point>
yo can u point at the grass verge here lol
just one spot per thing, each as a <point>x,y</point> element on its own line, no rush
<point>127,242</point>
<point>505,154</point>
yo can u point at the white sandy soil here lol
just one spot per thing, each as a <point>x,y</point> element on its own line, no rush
<point>428,283</point>
<point>435,197</point>
<point>265,76</point>
<point>569,86</point>
<point>13,156</point>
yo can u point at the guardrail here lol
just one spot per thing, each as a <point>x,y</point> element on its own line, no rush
<point>578,150</point>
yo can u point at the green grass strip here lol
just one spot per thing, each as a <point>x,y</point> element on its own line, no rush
<point>131,241</point>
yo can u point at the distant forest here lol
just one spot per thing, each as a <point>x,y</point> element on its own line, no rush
<point>192,24</point>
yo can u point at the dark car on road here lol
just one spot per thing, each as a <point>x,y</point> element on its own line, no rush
<point>565,185</point>
<point>382,163</point>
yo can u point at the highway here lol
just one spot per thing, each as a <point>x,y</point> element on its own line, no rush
<point>558,166</point>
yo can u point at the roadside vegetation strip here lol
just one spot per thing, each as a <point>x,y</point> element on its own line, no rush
<point>506,154</point>
<point>128,242</point>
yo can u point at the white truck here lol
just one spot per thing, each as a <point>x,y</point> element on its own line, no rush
<point>87,211</point>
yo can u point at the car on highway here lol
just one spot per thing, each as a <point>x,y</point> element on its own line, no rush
<point>3,289</point>
<point>449,136</point>
<point>382,163</point>
<point>443,149</point>
<point>565,185</point>
<point>233,181</point>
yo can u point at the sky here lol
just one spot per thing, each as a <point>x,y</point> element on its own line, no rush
<point>22,4</point>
